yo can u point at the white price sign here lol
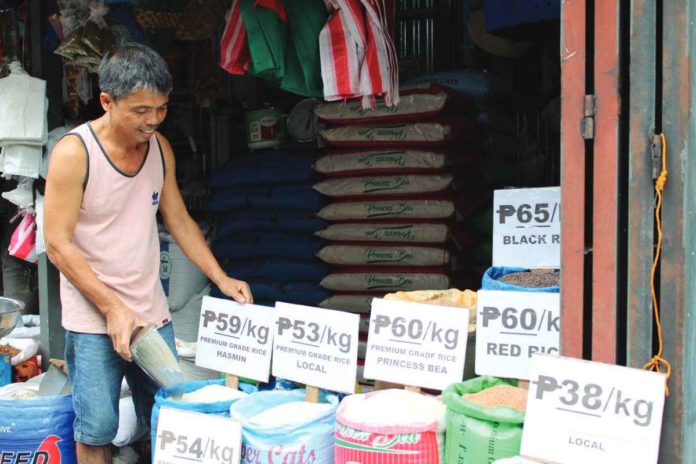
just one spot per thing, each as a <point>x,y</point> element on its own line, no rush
<point>184,437</point>
<point>527,228</point>
<point>416,344</point>
<point>580,411</point>
<point>236,339</point>
<point>511,327</point>
<point>316,347</point>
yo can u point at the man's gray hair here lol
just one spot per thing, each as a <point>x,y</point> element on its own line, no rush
<point>131,67</point>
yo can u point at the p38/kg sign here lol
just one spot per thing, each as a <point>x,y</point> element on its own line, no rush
<point>527,228</point>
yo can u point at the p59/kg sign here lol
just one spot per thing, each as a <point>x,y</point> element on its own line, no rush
<point>527,228</point>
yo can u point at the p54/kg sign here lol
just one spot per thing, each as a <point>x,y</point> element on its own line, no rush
<point>527,228</point>
<point>511,327</point>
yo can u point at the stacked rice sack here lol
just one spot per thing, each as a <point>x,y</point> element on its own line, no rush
<point>389,180</point>
<point>265,234</point>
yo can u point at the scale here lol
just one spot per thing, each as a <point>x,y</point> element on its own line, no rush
<point>10,313</point>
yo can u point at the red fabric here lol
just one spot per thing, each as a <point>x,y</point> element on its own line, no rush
<point>234,50</point>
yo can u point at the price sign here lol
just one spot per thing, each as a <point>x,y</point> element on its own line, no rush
<point>511,327</point>
<point>184,437</point>
<point>580,411</point>
<point>316,347</point>
<point>527,228</point>
<point>416,344</point>
<point>236,339</point>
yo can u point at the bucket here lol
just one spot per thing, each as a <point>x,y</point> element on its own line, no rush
<point>265,128</point>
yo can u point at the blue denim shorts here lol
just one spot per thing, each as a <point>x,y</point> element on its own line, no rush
<point>96,372</point>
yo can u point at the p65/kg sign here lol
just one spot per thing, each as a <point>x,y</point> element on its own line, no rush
<point>527,228</point>
<point>513,326</point>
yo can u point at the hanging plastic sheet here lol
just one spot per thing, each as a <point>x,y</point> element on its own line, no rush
<point>22,108</point>
<point>234,51</point>
<point>342,49</point>
<point>306,18</point>
<point>266,36</point>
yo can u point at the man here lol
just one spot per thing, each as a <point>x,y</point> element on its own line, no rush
<point>106,182</point>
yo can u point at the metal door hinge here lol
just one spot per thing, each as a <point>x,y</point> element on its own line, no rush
<point>587,125</point>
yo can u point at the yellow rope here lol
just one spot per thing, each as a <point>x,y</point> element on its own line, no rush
<point>657,362</point>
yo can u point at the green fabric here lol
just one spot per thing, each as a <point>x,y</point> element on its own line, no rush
<point>477,434</point>
<point>306,19</point>
<point>266,36</point>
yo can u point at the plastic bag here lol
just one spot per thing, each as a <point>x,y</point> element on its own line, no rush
<point>163,398</point>
<point>491,281</point>
<point>22,108</point>
<point>307,440</point>
<point>23,195</point>
<point>39,428</point>
<point>476,433</point>
<point>390,427</point>
<point>23,241</point>
<point>22,160</point>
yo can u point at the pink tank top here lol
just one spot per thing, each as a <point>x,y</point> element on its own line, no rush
<point>116,232</point>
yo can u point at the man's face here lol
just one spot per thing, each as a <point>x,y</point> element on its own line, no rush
<point>137,114</point>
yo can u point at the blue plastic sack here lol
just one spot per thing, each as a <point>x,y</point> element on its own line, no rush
<point>305,441</point>
<point>490,281</point>
<point>163,398</point>
<point>300,197</point>
<point>5,371</point>
<point>264,168</point>
<point>41,426</point>
<point>255,220</point>
<point>269,244</point>
<point>304,293</point>
<point>277,269</point>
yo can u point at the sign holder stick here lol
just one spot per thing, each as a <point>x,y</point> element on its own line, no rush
<point>232,381</point>
<point>312,394</point>
<point>411,388</point>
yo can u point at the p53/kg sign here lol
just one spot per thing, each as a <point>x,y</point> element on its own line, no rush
<point>511,327</point>
<point>580,411</point>
<point>527,228</point>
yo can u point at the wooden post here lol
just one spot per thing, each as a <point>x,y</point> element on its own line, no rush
<point>312,394</point>
<point>232,381</point>
<point>573,58</point>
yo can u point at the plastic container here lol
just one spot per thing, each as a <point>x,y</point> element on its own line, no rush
<point>265,128</point>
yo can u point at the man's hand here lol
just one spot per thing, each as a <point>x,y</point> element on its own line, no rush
<point>236,289</point>
<point>121,322</point>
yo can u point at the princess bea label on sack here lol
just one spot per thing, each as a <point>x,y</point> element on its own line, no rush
<point>316,347</point>
<point>236,339</point>
<point>416,344</point>
<point>511,327</point>
<point>527,228</point>
<point>580,411</point>
<point>184,437</point>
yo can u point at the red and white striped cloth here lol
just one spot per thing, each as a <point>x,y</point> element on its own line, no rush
<point>234,49</point>
<point>342,49</point>
<point>379,73</point>
<point>358,57</point>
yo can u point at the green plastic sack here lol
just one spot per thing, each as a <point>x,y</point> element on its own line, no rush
<point>477,434</point>
<point>266,36</point>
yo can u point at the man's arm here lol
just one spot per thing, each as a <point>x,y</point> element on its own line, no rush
<point>188,235</point>
<point>64,186</point>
